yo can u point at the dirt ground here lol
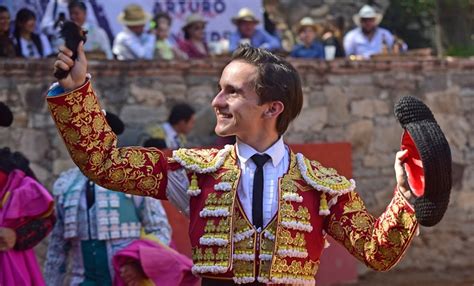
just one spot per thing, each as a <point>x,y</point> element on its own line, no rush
<point>452,277</point>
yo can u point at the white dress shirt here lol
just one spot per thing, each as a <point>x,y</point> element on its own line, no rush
<point>171,136</point>
<point>357,43</point>
<point>272,171</point>
<point>97,40</point>
<point>51,15</point>
<point>130,46</point>
<point>275,168</point>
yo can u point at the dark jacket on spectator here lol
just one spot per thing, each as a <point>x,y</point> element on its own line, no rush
<point>36,40</point>
<point>7,47</point>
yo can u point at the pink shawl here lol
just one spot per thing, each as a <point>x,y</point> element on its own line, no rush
<point>23,199</point>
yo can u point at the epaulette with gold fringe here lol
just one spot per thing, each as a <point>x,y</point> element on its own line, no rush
<point>202,160</point>
<point>323,179</point>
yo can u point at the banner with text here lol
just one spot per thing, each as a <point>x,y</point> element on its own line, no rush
<point>218,13</point>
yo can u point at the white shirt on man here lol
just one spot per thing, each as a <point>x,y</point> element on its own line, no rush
<point>51,15</point>
<point>357,43</point>
<point>130,46</point>
<point>171,136</point>
<point>97,40</point>
<point>275,168</point>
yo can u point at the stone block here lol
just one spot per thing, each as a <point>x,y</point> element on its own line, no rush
<point>368,108</point>
<point>34,145</point>
<point>62,165</point>
<point>20,119</point>
<point>42,174</point>
<point>336,80</point>
<point>147,96</point>
<point>386,137</point>
<point>311,120</point>
<point>467,93</point>
<point>171,79</point>
<point>456,130</point>
<point>360,135</point>
<point>312,77</point>
<point>433,82</point>
<point>40,120</point>
<point>294,137</point>
<point>360,79</point>
<point>361,91</point>
<point>379,160</point>
<point>338,106</point>
<point>142,115</point>
<point>6,137</point>
<point>200,95</point>
<point>468,180</point>
<point>445,101</point>
<point>32,95</point>
<point>463,79</point>
<point>336,134</point>
<point>397,80</point>
<point>175,92</point>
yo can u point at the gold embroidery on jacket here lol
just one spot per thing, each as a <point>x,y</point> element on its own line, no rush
<point>91,144</point>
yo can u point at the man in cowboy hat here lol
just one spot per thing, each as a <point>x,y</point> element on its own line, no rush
<point>248,33</point>
<point>368,38</point>
<point>132,43</point>
<point>309,47</point>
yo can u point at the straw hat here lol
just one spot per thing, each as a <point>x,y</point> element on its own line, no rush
<point>194,18</point>
<point>307,22</point>
<point>428,162</point>
<point>134,15</point>
<point>245,15</point>
<point>367,12</point>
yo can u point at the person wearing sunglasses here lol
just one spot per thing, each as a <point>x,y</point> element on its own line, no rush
<point>194,44</point>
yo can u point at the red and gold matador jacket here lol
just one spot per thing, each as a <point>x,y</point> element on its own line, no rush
<point>313,201</point>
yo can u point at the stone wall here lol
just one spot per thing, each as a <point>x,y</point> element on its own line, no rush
<point>344,101</point>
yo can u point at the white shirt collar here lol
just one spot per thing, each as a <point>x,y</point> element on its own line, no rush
<point>169,130</point>
<point>276,151</point>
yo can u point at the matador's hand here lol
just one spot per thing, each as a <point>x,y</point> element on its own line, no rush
<point>77,75</point>
<point>402,183</point>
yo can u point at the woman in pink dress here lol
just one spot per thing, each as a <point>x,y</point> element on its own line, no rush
<point>26,216</point>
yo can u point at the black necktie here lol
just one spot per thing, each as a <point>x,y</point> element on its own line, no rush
<point>257,200</point>
<point>90,193</point>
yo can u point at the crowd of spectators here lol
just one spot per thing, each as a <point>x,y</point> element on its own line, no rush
<point>148,37</point>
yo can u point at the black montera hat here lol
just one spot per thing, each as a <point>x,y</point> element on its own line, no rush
<point>428,164</point>
<point>6,115</point>
<point>114,122</point>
